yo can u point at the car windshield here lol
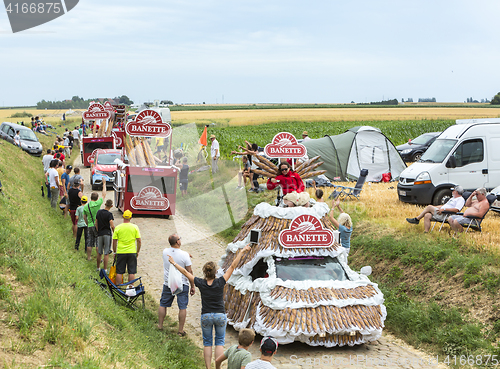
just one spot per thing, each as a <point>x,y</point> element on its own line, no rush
<point>421,140</point>
<point>107,159</point>
<point>438,151</point>
<point>312,268</point>
<point>27,135</point>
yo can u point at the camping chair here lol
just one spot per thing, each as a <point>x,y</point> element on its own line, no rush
<point>350,192</point>
<point>125,292</point>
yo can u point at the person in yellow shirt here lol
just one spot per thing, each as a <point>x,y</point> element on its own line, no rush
<point>126,247</point>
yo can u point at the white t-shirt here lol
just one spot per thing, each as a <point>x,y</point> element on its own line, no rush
<point>454,203</point>
<point>17,140</point>
<point>46,161</point>
<point>181,257</point>
<point>215,146</point>
<point>260,364</point>
<point>75,134</point>
<point>52,177</point>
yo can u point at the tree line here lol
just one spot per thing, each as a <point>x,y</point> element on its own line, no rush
<point>77,102</point>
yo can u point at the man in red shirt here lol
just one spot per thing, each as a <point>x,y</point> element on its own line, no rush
<point>292,185</point>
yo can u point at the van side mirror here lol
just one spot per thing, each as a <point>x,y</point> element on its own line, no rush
<point>452,162</point>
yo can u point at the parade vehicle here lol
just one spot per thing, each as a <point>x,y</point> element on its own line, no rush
<point>108,121</point>
<point>103,165</point>
<point>143,184</point>
<point>465,154</point>
<point>295,283</point>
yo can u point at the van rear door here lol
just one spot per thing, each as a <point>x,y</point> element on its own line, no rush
<point>471,169</point>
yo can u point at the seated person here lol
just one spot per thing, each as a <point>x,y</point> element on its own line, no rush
<point>292,185</point>
<point>477,208</point>
<point>318,192</point>
<point>454,204</point>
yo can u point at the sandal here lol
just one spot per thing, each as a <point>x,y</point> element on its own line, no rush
<point>182,334</point>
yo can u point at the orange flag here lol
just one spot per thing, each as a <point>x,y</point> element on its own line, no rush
<point>203,138</point>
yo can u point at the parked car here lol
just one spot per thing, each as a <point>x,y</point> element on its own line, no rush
<point>413,150</point>
<point>28,140</point>
<point>103,164</point>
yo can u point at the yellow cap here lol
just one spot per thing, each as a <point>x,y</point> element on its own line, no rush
<point>127,214</point>
<point>84,199</point>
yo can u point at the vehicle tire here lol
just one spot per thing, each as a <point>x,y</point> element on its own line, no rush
<point>417,156</point>
<point>441,197</point>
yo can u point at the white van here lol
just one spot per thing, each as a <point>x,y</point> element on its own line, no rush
<point>466,154</point>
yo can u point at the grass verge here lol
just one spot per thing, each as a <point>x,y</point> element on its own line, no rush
<point>51,311</point>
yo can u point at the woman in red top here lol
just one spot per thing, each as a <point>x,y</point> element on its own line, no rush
<point>292,184</point>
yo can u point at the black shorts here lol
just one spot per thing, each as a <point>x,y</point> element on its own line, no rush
<point>183,184</point>
<point>126,262</point>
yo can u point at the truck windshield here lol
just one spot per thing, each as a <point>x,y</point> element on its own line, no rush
<point>438,151</point>
<point>315,268</point>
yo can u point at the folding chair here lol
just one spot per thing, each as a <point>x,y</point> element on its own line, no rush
<point>475,223</point>
<point>125,292</point>
<point>446,214</point>
<point>350,192</point>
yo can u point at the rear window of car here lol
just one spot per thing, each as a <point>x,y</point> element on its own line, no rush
<point>311,268</point>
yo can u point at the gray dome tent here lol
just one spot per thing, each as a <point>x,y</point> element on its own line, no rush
<point>362,147</point>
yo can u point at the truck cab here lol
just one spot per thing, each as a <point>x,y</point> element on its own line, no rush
<point>465,154</point>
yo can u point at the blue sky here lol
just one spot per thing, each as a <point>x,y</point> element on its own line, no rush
<point>256,51</point>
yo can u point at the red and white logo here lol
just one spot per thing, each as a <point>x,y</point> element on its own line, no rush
<point>285,145</point>
<point>149,198</point>
<point>108,106</point>
<point>96,111</point>
<point>306,231</point>
<point>148,123</point>
<point>118,136</point>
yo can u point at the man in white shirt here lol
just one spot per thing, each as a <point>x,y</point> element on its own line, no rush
<point>76,137</point>
<point>214,153</point>
<point>52,179</point>
<point>268,348</point>
<point>183,259</point>
<point>305,136</point>
<point>454,204</point>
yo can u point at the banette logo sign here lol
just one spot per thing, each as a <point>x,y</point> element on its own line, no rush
<point>96,111</point>
<point>306,231</point>
<point>285,145</point>
<point>149,198</point>
<point>26,14</point>
<point>148,123</point>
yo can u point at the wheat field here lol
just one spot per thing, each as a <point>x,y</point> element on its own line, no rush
<point>252,117</point>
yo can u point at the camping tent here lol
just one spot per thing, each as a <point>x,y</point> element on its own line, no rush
<point>358,148</point>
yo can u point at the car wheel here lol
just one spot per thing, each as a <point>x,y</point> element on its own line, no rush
<point>417,156</point>
<point>441,197</point>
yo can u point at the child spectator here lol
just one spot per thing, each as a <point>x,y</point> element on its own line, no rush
<point>80,223</point>
<point>318,192</point>
<point>343,224</point>
<point>237,355</point>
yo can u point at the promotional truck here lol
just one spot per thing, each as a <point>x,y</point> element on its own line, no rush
<point>142,183</point>
<point>465,154</point>
<point>110,119</point>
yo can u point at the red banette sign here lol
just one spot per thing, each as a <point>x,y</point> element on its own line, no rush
<point>306,231</point>
<point>96,111</point>
<point>149,198</point>
<point>148,123</point>
<point>285,145</point>
<point>108,106</point>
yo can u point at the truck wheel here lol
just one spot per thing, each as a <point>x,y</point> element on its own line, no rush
<point>417,156</point>
<point>441,197</point>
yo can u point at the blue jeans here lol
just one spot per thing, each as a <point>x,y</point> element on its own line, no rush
<point>210,321</point>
